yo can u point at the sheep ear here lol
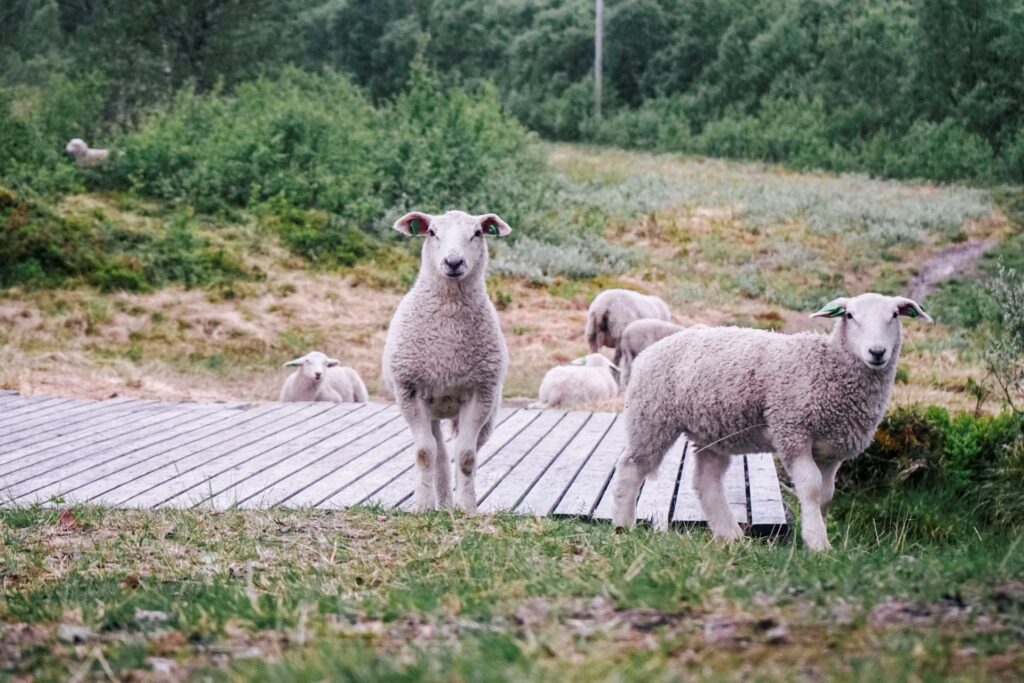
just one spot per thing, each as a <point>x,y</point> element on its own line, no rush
<point>833,309</point>
<point>578,361</point>
<point>614,367</point>
<point>333,362</point>
<point>493,226</point>
<point>912,309</point>
<point>414,223</point>
<point>295,362</point>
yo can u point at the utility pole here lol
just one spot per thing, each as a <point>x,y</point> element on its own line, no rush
<point>598,48</point>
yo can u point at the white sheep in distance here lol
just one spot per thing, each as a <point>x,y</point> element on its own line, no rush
<point>585,380</point>
<point>814,399</point>
<point>319,378</point>
<point>445,356</point>
<point>637,336</point>
<point>83,154</point>
<point>612,310</point>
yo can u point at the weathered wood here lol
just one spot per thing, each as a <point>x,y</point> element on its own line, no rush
<point>587,488</point>
<point>19,421</point>
<point>735,481</point>
<point>687,510</point>
<point>66,421</point>
<point>767,513</point>
<point>26,404</point>
<point>507,493</point>
<point>655,502</point>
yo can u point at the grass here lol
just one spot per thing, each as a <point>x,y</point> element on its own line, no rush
<point>364,595</point>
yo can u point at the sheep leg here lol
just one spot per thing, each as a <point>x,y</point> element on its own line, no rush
<point>473,417</point>
<point>419,421</point>
<point>807,481</point>
<point>828,484</point>
<point>616,361</point>
<point>708,480</point>
<point>643,456</point>
<point>442,480</point>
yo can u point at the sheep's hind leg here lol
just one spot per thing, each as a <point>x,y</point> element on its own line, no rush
<point>474,417</point>
<point>708,480</point>
<point>642,457</point>
<point>425,445</point>
<point>442,480</point>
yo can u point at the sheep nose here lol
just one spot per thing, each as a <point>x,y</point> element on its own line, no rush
<point>454,263</point>
<point>877,352</point>
<point>317,375</point>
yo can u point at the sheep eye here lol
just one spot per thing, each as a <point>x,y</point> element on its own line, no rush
<point>849,316</point>
<point>431,232</point>
<point>895,314</point>
<point>478,233</point>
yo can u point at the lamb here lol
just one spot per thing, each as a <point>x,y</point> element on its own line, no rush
<point>84,155</point>
<point>612,310</point>
<point>812,398</point>
<point>585,380</point>
<point>320,378</point>
<point>445,356</point>
<point>637,336</point>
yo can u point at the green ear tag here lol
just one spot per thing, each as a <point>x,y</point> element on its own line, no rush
<point>911,312</point>
<point>414,225</point>
<point>492,229</point>
<point>836,311</point>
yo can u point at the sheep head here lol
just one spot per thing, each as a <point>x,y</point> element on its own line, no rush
<point>869,325</point>
<point>313,366</point>
<point>454,242</point>
<point>76,147</point>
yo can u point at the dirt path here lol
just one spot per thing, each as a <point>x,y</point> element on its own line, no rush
<point>949,262</point>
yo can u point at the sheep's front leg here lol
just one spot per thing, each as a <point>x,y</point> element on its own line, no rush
<point>474,416</point>
<point>425,445</point>
<point>442,480</point>
<point>807,480</point>
<point>709,481</point>
<point>828,484</point>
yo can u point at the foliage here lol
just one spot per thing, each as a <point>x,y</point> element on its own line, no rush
<point>1004,351</point>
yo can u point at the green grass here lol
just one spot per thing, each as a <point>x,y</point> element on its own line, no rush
<point>364,595</point>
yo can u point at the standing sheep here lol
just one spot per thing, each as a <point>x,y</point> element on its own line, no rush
<point>612,310</point>
<point>320,378</point>
<point>83,154</point>
<point>812,398</point>
<point>585,380</point>
<point>445,356</point>
<point>637,336</point>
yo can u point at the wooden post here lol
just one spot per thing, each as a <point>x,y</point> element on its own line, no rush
<point>598,48</point>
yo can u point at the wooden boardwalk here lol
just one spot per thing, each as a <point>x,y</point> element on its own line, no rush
<point>147,454</point>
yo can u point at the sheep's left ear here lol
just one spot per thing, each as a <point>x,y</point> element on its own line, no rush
<point>295,362</point>
<point>414,223</point>
<point>493,226</point>
<point>333,362</point>
<point>579,361</point>
<point>833,309</point>
<point>911,309</point>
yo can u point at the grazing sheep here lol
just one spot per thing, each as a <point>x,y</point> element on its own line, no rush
<point>445,356</point>
<point>612,310</point>
<point>637,336</point>
<point>812,398</point>
<point>585,380</point>
<point>84,155</point>
<point>320,378</point>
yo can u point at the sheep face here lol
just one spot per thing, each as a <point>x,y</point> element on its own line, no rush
<point>76,147</point>
<point>870,324</point>
<point>454,242</point>
<point>313,366</point>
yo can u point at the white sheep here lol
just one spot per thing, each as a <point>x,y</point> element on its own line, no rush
<point>445,356</point>
<point>813,399</point>
<point>585,380</point>
<point>612,310</point>
<point>320,378</point>
<point>637,336</point>
<point>84,155</point>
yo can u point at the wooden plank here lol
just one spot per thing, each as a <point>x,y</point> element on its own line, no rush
<point>186,468</point>
<point>26,405</point>
<point>391,465</point>
<point>62,432</point>
<point>735,481</point>
<point>317,463</point>
<point>655,502</point>
<point>20,413</point>
<point>61,418</point>
<point>56,452</point>
<point>550,488</point>
<point>507,493</point>
<point>587,488</point>
<point>113,479</point>
<point>401,487</point>
<point>687,509</point>
<point>767,512</point>
<point>116,456</point>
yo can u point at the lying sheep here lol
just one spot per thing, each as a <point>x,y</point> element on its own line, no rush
<point>320,378</point>
<point>637,336</point>
<point>585,380</point>
<point>812,398</point>
<point>445,356</point>
<point>84,155</point>
<point>612,310</point>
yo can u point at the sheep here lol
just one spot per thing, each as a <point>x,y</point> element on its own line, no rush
<point>585,380</point>
<point>637,336</point>
<point>444,355</point>
<point>320,378</point>
<point>612,310</point>
<point>812,398</point>
<point>84,155</point>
